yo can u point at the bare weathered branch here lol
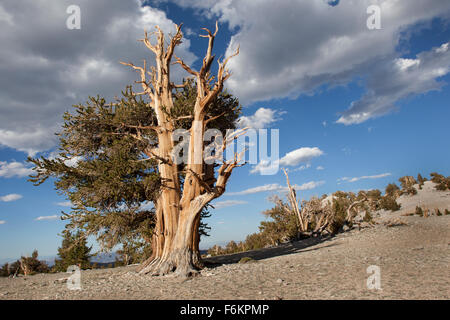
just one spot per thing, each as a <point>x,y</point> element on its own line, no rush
<point>185,66</point>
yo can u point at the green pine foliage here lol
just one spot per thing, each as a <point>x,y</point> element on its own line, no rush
<point>73,251</point>
<point>419,211</point>
<point>388,202</point>
<point>115,181</point>
<point>441,183</point>
<point>5,270</point>
<point>392,190</point>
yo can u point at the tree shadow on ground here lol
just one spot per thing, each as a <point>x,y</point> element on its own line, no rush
<point>265,253</point>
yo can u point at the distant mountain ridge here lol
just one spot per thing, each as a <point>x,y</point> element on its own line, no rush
<point>101,258</point>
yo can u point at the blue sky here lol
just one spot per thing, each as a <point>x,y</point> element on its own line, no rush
<point>375,103</point>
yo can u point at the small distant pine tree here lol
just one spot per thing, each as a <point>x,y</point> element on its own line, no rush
<point>5,271</point>
<point>392,190</point>
<point>132,251</point>
<point>388,202</point>
<point>419,211</point>
<point>73,251</point>
<point>436,177</point>
<point>421,179</point>
<point>441,186</point>
<point>231,247</point>
<point>215,250</point>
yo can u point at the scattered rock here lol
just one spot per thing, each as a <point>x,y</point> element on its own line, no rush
<point>279,281</point>
<point>61,280</point>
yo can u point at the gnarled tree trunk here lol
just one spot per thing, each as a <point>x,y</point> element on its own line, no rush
<point>176,236</point>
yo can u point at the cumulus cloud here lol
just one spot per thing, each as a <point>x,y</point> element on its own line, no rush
<point>46,68</point>
<point>320,168</point>
<point>228,203</point>
<point>11,197</point>
<point>391,82</point>
<point>2,221</point>
<point>14,168</point>
<point>300,46</point>
<point>29,142</point>
<point>378,176</point>
<point>276,187</point>
<point>262,118</point>
<point>291,159</point>
<point>46,218</point>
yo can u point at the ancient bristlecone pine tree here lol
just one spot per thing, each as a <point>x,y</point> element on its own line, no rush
<point>176,236</point>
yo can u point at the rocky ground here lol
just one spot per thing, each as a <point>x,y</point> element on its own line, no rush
<point>412,254</point>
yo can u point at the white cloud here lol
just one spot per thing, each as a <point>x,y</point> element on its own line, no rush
<point>65,204</point>
<point>264,188</point>
<point>2,221</point>
<point>29,142</point>
<point>320,168</point>
<point>309,185</point>
<point>14,168</point>
<point>378,176</point>
<point>277,187</point>
<point>299,46</point>
<point>392,82</point>
<point>46,218</point>
<point>262,118</point>
<point>228,203</point>
<point>295,157</point>
<point>11,197</point>
<point>291,159</point>
<point>47,68</point>
<point>73,162</point>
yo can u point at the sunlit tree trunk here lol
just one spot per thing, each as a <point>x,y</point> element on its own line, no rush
<point>176,236</point>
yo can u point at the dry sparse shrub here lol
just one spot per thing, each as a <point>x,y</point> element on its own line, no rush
<point>388,202</point>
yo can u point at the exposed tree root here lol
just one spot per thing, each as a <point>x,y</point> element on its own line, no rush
<point>180,263</point>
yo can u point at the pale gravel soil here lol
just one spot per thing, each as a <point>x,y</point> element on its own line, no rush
<point>414,262</point>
